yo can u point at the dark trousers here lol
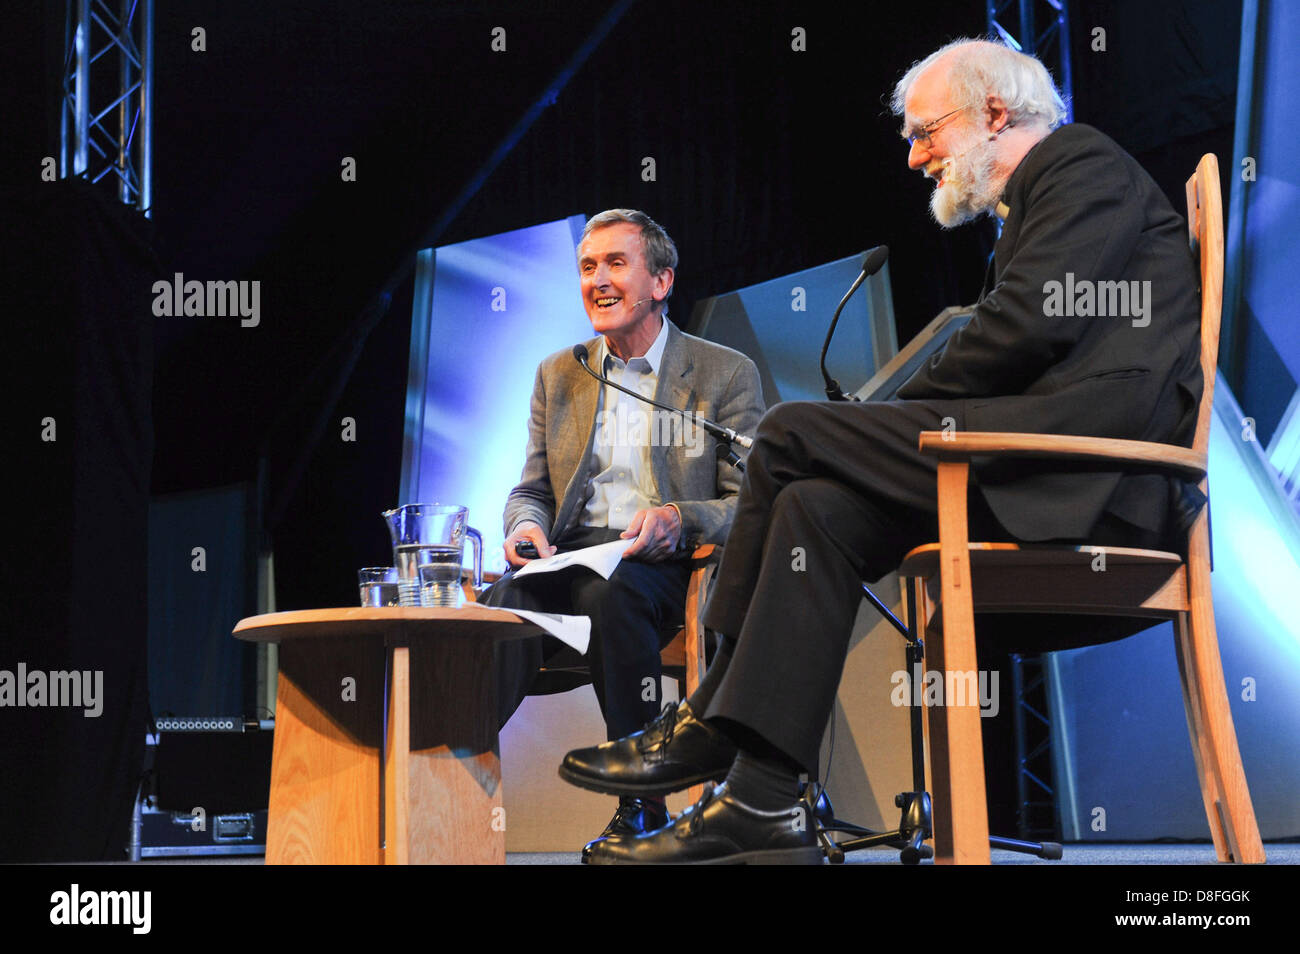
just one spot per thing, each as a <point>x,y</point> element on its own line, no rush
<point>634,614</point>
<point>834,495</point>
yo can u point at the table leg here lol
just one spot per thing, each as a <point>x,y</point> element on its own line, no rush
<point>324,802</point>
<point>450,809</point>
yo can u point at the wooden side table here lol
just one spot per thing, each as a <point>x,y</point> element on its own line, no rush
<point>385,735</point>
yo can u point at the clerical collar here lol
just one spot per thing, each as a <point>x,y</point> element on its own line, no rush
<point>1002,210</point>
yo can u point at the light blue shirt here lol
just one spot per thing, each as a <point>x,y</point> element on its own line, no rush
<point>622,482</point>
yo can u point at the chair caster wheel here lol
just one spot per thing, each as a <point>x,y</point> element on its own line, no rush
<point>1051,851</point>
<point>910,856</point>
<point>835,855</point>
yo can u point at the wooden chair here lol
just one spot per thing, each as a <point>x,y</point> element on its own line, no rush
<point>684,657</point>
<point>1002,577</point>
<point>686,653</point>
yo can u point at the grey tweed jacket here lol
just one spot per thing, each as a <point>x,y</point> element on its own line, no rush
<point>696,375</point>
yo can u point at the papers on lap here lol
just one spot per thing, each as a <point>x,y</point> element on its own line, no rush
<point>574,631</point>
<point>603,558</point>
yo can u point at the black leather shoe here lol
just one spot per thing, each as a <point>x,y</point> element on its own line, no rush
<point>635,816</point>
<point>719,830</point>
<point>673,752</point>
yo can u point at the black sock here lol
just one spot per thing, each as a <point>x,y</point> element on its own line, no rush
<point>703,695</point>
<point>767,782</point>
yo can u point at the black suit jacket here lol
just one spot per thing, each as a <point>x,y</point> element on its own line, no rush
<point>1081,211</point>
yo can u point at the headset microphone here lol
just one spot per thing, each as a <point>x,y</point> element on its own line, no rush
<point>947,162</point>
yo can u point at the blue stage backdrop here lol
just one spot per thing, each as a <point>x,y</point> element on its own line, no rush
<point>1123,762</point>
<point>1261,337</point>
<point>486,313</point>
<point>1122,756</point>
<point>781,324</point>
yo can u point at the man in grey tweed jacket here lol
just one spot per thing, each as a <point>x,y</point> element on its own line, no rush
<point>601,466</point>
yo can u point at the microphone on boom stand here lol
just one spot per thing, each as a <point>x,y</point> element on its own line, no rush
<point>724,435</point>
<point>875,261</point>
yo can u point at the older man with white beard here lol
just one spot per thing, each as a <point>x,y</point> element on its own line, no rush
<point>845,484</point>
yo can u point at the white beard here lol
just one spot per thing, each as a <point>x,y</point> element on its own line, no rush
<point>970,185</point>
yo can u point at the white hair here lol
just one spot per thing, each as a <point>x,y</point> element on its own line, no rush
<point>660,252</point>
<point>981,68</point>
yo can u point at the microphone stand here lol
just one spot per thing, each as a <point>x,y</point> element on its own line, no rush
<point>724,451</point>
<point>833,391</point>
<point>875,260</point>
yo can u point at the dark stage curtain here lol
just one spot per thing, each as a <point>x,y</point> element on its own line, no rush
<point>75,278</point>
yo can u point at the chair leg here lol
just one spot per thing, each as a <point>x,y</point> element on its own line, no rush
<point>956,748</point>
<point>697,594</point>
<point>961,823</point>
<point>1209,722</point>
<point>1205,772</point>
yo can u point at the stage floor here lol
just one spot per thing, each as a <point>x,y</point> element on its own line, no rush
<point>1117,854</point>
<point>1279,853</point>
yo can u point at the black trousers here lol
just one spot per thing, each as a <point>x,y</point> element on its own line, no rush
<point>633,615</point>
<point>834,494</point>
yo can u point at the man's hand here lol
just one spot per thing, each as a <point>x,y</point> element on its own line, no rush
<point>527,531</point>
<point>657,531</point>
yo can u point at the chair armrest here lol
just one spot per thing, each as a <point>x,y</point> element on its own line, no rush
<point>1170,458</point>
<point>706,553</point>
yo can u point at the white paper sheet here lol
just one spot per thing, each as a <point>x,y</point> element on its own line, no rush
<point>573,631</point>
<point>603,558</point>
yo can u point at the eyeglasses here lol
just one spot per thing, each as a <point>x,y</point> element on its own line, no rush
<point>922,135</point>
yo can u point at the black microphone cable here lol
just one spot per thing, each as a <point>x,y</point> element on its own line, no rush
<point>724,434</point>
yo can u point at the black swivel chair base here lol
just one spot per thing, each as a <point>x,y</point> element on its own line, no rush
<point>915,823</point>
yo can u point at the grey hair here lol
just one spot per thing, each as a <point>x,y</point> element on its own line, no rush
<point>982,68</point>
<point>660,252</point>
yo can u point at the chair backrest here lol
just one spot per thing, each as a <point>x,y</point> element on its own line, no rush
<point>1205,232</point>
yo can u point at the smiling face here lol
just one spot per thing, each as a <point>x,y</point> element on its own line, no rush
<point>967,186</point>
<point>620,294</point>
<point>960,157</point>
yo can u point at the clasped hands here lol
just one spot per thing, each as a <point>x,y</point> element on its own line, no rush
<point>655,534</point>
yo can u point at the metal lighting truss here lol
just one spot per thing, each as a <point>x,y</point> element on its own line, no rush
<point>106,118</point>
<point>1040,28</point>
<point>1017,23</point>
